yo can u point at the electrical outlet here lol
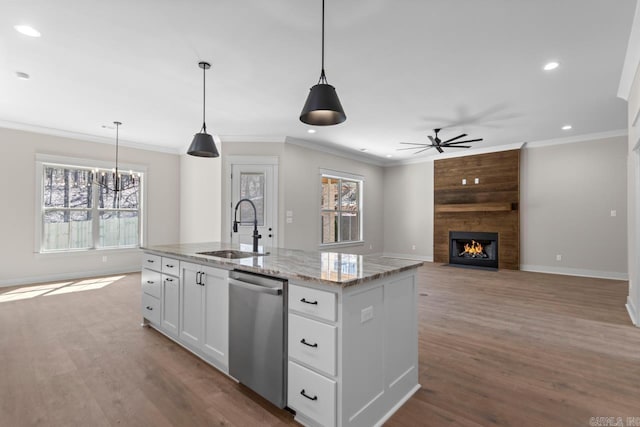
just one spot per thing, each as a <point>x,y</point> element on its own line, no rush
<point>366,314</point>
<point>104,258</point>
<point>289,220</point>
<point>558,257</point>
<point>289,214</point>
<point>370,247</point>
<point>614,213</point>
<point>413,247</point>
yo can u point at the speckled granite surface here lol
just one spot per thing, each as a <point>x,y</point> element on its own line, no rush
<point>331,268</point>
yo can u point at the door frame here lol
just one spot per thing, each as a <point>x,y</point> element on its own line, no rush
<point>227,204</point>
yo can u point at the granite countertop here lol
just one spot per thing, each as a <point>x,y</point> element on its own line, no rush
<point>332,268</point>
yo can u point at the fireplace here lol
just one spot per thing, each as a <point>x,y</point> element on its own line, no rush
<point>473,249</point>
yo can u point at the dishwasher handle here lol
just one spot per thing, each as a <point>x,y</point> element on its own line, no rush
<point>255,288</point>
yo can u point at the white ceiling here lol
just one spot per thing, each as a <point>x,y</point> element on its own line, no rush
<point>400,68</point>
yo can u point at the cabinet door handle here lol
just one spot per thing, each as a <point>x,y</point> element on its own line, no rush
<point>151,282</point>
<point>202,278</point>
<point>168,279</point>
<point>314,345</point>
<point>307,396</point>
<point>149,308</point>
<point>198,277</point>
<point>169,265</point>
<point>309,302</point>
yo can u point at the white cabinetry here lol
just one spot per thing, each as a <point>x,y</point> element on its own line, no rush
<point>204,320</point>
<point>353,351</point>
<point>160,292</point>
<point>151,288</point>
<point>170,317</point>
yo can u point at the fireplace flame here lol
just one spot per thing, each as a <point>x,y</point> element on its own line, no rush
<point>474,249</point>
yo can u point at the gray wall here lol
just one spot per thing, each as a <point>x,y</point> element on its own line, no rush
<point>567,194</point>
<point>18,261</point>
<point>301,178</point>
<point>408,211</point>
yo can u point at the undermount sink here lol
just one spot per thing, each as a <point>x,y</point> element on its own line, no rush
<point>232,254</point>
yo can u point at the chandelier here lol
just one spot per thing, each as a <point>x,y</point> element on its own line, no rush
<point>114,181</point>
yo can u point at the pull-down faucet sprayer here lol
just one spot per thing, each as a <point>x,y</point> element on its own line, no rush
<point>255,235</point>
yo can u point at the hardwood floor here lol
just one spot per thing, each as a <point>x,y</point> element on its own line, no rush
<point>496,348</point>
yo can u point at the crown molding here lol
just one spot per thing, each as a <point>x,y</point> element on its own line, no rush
<point>84,137</point>
<point>472,152</point>
<point>335,150</point>
<point>577,138</point>
<point>252,138</point>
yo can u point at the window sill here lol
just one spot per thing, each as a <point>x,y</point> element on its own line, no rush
<point>88,252</point>
<point>326,246</point>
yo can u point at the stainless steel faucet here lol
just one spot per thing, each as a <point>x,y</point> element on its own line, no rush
<point>255,235</point>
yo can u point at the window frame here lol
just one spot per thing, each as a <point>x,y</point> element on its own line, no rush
<point>327,173</point>
<point>43,160</point>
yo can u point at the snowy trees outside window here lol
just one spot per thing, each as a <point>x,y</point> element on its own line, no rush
<point>78,214</point>
<point>341,210</point>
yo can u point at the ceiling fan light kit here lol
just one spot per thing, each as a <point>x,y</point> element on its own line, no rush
<point>323,107</point>
<point>203,144</point>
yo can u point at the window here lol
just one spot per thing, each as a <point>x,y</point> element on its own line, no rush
<point>341,209</point>
<point>78,214</point>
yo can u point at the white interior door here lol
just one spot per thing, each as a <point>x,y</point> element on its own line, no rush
<point>258,183</point>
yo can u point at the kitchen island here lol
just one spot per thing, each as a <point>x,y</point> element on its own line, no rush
<point>351,340</point>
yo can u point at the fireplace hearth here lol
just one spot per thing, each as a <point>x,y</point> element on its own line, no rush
<point>473,249</point>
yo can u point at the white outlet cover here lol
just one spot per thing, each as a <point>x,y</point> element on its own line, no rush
<point>558,257</point>
<point>289,220</point>
<point>614,213</point>
<point>366,314</point>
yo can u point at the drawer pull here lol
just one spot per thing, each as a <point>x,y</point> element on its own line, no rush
<point>307,396</point>
<point>149,308</point>
<point>151,261</point>
<point>168,279</point>
<point>309,302</point>
<point>168,265</point>
<point>151,282</point>
<point>314,345</point>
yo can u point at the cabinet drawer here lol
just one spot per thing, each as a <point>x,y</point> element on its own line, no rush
<point>313,343</point>
<point>151,282</point>
<point>151,308</point>
<point>311,394</point>
<point>171,266</point>
<point>152,261</point>
<point>312,301</point>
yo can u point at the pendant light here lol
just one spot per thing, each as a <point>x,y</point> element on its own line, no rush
<point>202,144</point>
<point>323,107</point>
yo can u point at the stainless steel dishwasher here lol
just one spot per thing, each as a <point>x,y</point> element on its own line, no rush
<point>257,334</point>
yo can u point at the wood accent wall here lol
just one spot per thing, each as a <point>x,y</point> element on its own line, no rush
<point>490,206</point>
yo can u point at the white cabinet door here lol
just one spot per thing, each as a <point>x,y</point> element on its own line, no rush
<point>191,296</point>
<point>170,305</point>
<point>216,315</point>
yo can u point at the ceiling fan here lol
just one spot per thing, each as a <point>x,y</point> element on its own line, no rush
<point>438,144</point>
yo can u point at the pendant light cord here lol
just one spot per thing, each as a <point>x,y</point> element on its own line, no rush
<point>323,77</point>
<point>117,138</point>
<point>204,99</point>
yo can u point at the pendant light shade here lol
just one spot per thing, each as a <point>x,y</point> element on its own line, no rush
<point>323,107</point>
<point>203,144</point>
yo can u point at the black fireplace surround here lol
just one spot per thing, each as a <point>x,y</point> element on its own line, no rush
<point>487,258</point>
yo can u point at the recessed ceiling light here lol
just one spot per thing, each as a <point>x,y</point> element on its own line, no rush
<point>389,155</point>
<point>364,149</point>
<point>566,127</point>
<point>108,127</point>
<point>311,131</point>
<point>27,30</point>
<point>22,76</point>
<point>551,66</point>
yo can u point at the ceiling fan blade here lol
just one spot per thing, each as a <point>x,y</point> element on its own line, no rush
<point>457,137</point>
<point>414,143</point>
<point>413,148</point>
<point>464,142</point>
<point>433,141</point>
<point>457,146</point>
<point>420,151</point>
<point>437,147</point>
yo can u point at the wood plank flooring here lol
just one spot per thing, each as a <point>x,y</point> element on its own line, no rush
<point>496,348</point>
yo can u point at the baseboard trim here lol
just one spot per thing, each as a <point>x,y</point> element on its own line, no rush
<point>613,275</point>
<point>68,276</point>
<point>633,313</point>
<point>397,406</point>
<point>408,256</point>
